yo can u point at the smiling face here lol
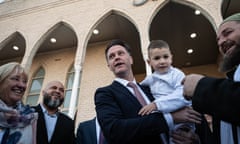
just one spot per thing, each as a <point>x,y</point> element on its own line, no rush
<point>119,61</point>
<point>12,88</point>
<point>53,95</point>
<point>228,39</point>
<point>160,59</point>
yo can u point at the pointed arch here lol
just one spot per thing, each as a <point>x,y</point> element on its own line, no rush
<point>174,23</point>
<point>9,38</point>
<point>113,11</point>
<point>13,47</point>
<point>46,35</point>
<point>205,13</point>
<point>186,3</point>
<point>103,17</point>
<point>119,18</point>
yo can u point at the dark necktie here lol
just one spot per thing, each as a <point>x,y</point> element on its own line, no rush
<point>138,94</point>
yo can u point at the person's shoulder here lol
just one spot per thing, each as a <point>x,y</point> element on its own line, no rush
<point>104,87</point>
<point>177,71</point>
<point>64,116</point>
<point>87,122</point>
<point>148,80</point>
<point>110,86</point>
<point>66,122</point>
<point>149,76</point>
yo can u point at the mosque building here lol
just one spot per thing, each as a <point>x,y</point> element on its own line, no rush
<point>65,40</point>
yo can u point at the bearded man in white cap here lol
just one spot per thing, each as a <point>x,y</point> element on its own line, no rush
<point>221,97</point>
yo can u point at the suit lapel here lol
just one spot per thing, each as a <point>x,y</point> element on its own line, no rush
<point>147,92</point>
<point>119,88</point>
<point>93,130</point>
<point>41,125</point>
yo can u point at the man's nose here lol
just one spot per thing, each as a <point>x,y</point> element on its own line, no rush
<point>58,90</point>
<point>221,40</point>
<point>117,57</point>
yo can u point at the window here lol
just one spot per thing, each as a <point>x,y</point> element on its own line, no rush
<point>68,91</point>
<point>35,87</point>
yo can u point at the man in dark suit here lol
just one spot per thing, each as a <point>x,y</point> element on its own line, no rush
<point>117,107</point>
<point>221,97</point>
<point>88,132</point>
<point>53,127</point>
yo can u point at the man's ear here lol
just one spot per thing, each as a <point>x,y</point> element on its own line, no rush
<point>109,67</point>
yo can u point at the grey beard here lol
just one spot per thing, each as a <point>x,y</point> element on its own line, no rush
<point>53,103</point>
<point>230,62</point>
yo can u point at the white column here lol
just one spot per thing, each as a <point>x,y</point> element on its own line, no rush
<point>144,43</point>
<point>148,68</point>
<point>74,94</point>
<point>145,56</point>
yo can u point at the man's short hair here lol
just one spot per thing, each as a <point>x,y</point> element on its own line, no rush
<point>117,42</point>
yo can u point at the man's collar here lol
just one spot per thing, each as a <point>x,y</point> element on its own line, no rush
<point>46,112</point>
<point>123,81</point>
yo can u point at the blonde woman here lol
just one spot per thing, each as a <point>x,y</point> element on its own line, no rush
<point>17,121</point>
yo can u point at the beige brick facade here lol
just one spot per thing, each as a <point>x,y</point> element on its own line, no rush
<point>34,20</point>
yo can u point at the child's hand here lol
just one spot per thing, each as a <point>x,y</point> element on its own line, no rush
<point>146,110</point>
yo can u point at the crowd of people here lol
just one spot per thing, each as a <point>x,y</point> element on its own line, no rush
<point>167,107</point>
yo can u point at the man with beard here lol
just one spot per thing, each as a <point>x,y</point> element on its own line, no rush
<point>221,97</point>
<point>53,127</point>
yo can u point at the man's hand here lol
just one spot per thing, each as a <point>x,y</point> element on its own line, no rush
<point>146,110</point>
<point>186,114</point>
<point>190,82</point>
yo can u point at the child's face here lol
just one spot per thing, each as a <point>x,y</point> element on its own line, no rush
<point>160,59</point>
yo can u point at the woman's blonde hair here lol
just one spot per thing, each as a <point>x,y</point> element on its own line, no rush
<point>7,69</point>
